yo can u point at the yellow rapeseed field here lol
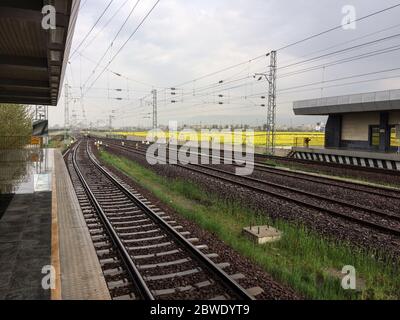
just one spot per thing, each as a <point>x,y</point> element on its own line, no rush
<point>283,139</point>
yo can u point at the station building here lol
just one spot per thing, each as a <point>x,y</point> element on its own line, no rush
<point>362,129</point>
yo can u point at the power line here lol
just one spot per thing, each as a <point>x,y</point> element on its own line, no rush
<point>286,46</point>
<point>211,104</point>
<point>105,25</point>
<point>339,79</point>
<point>112,42</point>
<point>300,41</point>
<point>342,50</point>
<point>223,70</point>
<point>365,55</point>
<point>343,43</point>
<point>337,27</point>
<point>221,85</point>
<point>83,4</point>
<point>324,87</point>
<point>312,84</point>
<point>113,89</point>
<point>91,29</point>
<point>341,61</point>
<point>343,84</point>
<point>116,73</point>
<point>126,42</point>
<point>297,72</point>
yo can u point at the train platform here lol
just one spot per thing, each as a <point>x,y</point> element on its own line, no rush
<point>46,251</point>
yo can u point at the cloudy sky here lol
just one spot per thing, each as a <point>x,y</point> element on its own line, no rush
<point>182,41</point>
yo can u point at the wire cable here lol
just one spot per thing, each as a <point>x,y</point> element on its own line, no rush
<point>124,45</point>
<point>91,29</point>
<point>112,42</point>
<point>338,27</point>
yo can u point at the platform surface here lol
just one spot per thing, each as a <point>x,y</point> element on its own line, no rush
<point>25,223</point>
<point>81,274</point>
<point>42,226</point>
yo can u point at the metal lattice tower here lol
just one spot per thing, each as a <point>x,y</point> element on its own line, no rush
<point>271,112</point>
<point>155,120</point>
<point>41,113</point>
<point>66,112</point>
<point>111,117</point>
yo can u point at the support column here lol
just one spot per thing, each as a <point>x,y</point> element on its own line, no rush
<point>333,131</point>
<point>384,132</point>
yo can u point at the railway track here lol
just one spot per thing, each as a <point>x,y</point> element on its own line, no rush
<point>387,192</point>
<point>263,157</point>
<point>376,219</point>
<point>375,190</point>
<point>331,165</point>
<point>143,252</point>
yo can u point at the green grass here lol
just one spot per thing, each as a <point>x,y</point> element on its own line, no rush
<point>301,260</point>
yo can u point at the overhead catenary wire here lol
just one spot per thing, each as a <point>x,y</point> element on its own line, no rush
<point>125,43</point>
<point>333,80</point>
<point>112,42</point>
<point>339,79</point>
<point>105,25</point>
<point>118,74</point>
<point>341,61</point>
<point>208,105</point>
<point>222,86</point>
<point>261,56</point>
<point>342,51</point>
<point>342,43</point>
<point>211,86</point>
<point>83,4</point>
<point>287,46</point>
<point>289,89</point>
<point>338,27</point>
<point>91,29</point>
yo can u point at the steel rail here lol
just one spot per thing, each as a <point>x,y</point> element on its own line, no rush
<point>307,177</point>
<point>227,281</point>
<point>377,212</point>
<point>134,273</point>
<point>332,182</point>
<point>303,203</point>
<point>261,166</point>
<point>332,165</point>
<point>287,198</point>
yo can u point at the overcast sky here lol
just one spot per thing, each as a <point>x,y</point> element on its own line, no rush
<point>183,40</point>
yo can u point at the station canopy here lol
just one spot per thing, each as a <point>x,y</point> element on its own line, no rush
<point>364,102</point>
<point>33,59</point>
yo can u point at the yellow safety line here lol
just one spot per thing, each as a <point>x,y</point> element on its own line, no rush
<point>55,248</point>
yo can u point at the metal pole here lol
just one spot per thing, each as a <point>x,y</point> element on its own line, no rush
<point>271,112</point>
<point>155,120</point>
<point>66,113</point>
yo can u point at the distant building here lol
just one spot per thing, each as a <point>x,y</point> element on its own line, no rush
<point>360,121</point>
<point>362,129</point>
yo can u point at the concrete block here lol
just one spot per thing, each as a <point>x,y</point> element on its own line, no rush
<point>262,234</point>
